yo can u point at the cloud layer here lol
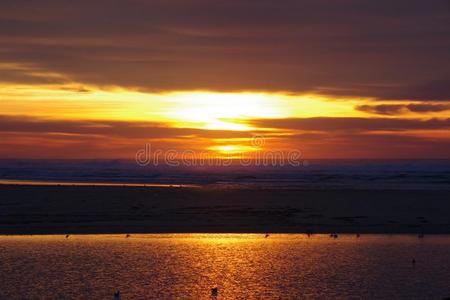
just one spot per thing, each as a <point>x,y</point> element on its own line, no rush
<point>352,124</point>
<point>398,109</point>
<point>383,49</point>
<point>25,137</point>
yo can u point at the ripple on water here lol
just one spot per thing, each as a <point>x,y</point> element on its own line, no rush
<point>243,266</point>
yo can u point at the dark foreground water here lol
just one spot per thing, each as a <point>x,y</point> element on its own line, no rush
<point>242,266</point>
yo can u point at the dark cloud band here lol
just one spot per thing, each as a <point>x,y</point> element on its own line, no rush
<point>398,109</point>
<point>383,49</point>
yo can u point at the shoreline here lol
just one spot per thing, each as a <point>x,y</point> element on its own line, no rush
<point>31,209</point>
<point>25,182</point>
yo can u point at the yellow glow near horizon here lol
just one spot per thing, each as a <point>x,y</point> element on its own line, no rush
<point>195,109</point>
<point>80,102</point>
<point>232,149</point>
<point>218,110</point>
<point>191,110</point>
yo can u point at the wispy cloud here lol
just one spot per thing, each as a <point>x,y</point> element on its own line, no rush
<point>352,124</point>
<point>399,109</point>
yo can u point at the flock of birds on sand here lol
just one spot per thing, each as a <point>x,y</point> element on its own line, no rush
<point>215,290</point>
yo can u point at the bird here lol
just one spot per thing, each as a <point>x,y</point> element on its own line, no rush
<point>214,291</point>
<point>358,235</point>
<point>117,295</point>
<point>127,236</point>
<point>67,236</point>
<point>267,235</point>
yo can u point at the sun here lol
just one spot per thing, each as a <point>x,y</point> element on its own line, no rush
<point>232,149</point>
<point>222,111</point>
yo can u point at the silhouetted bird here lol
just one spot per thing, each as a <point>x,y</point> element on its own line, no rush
<point>214,291</point>
<point>267,235</point>
<point>127,236</point>
<point>117,295</point>
<point>67,236</point>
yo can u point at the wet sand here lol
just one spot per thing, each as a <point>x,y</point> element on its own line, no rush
<point>26,209</point>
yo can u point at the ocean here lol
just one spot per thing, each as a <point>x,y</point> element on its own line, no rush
<point>313,174</point>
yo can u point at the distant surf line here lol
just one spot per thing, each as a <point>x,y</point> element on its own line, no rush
<point>78,183</point>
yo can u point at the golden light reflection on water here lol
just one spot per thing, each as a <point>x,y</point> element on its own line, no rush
<point>241,266</point>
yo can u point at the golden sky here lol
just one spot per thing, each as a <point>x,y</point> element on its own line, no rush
<point>358,79</point>
<point>79,121</point>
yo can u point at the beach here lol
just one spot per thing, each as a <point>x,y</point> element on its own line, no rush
<point>34,209</point>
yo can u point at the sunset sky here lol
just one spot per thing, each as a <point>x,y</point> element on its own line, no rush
<point>334,79</point>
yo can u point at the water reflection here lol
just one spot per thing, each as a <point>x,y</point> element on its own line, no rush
<point>241,266</point>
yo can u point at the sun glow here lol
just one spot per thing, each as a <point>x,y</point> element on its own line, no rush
<point>230,111</point>
<point>204,110</point>
<point>194,109</point>
<point>232,149</point>
<point>220,110</point>
<point>220,122</point>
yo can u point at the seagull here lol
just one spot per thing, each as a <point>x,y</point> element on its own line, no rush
<point>67,236</point>
<point>267,235</point>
